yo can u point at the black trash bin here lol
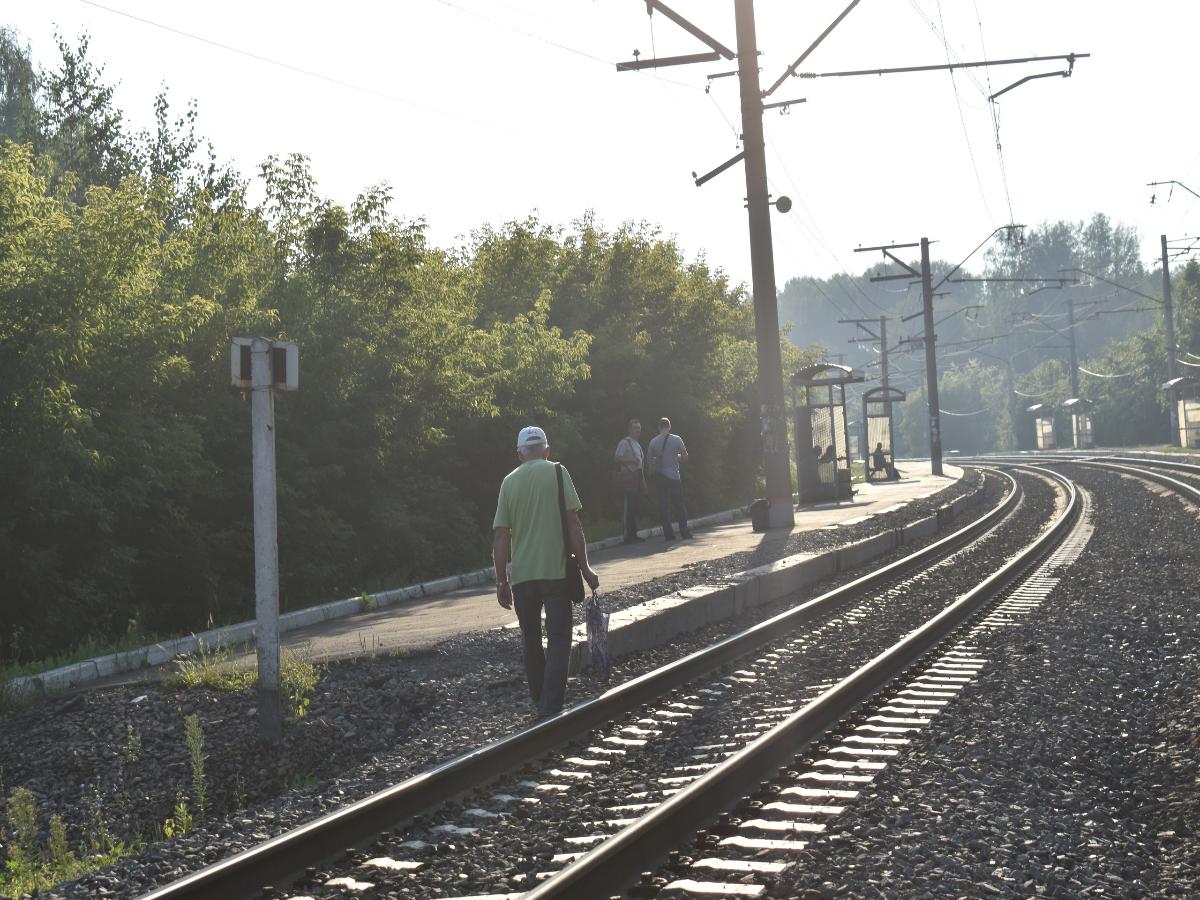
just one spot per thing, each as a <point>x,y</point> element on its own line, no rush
<point>760,514</point>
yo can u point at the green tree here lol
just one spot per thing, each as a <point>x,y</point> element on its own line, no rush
<point>84,131</point>
<point>18,90</point>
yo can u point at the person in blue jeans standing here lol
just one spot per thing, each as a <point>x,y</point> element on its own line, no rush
<point>527,531</point>
<point>667,451</point>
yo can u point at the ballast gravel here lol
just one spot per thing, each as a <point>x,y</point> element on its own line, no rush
<point>498,838</point>
<point>120,754</point>
<point>1069,766</point>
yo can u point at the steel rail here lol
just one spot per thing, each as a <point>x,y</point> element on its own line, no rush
<point>281,859</point>
<point>617,861</point>
<point>1165,480</point>
<point>1082,456</point>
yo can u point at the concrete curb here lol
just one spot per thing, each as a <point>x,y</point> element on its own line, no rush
<point>90,670</point>
<point>657,621</point>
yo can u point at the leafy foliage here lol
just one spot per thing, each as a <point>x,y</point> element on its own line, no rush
<point>128,261</point>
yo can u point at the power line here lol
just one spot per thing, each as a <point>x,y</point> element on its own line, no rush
<point>994,109</point>
<point>820,237</point>
<point>962,119</point>
<point>528,34</point>
<point>1098,375</point>
<point>269,61</point>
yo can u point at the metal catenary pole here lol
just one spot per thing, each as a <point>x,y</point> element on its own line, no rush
<point>931,385</point>
<point>266,545</point>
<point>883,356</point>
<point>1168,312</point>
<point>762,263</point>
<point>1072,360</point>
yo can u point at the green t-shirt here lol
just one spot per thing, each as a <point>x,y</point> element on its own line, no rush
<point>528,505</point>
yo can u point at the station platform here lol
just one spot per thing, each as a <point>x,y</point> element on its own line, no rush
<point>422,623</point>
<point>419,617</point>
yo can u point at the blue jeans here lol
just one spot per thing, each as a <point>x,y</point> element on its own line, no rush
<point>545,669</point>
<point>670,495</point>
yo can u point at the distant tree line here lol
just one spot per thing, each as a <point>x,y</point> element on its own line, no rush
<point>1002,344</point>
<point>127,262</point>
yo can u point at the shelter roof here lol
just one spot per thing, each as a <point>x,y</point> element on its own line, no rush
<point>825,373</point>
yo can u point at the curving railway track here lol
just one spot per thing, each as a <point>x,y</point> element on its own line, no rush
<point>683,712</point>
<point>712,774</point>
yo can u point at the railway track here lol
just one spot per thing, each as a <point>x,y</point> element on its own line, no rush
<point>735,729</point>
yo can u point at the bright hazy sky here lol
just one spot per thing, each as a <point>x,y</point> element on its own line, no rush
<point>486,110</point>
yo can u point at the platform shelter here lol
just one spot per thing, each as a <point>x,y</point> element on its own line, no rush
<point>877,432</point>
<point>1081,422</point>
<point>1187,403</point>
<point>1043,426</point>
<point>822,437</point>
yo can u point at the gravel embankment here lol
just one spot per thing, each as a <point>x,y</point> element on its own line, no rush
<point>511,831</point>
<point>370,722</point>
<point>1068,767</point>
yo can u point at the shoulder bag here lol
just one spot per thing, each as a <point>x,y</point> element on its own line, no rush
<point>573,574</point>
<point>625,481</point>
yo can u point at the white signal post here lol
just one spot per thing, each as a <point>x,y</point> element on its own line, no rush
<point>271,365</point>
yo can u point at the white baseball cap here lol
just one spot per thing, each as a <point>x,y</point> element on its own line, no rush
<point>531,436</point>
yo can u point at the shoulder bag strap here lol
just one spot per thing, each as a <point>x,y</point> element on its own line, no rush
<point>562,511</point>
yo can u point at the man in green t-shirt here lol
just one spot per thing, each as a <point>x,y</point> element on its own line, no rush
<point>527,532</point>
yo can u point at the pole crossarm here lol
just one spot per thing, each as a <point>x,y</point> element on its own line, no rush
<point>1172,181</point>
<point>922,312</point>
<point>1009,228</point>
<point>690,28</point>
<point>957,311</point>
<point>1115,284</point>
<point>912,274</point>
<point>943,66</point>
<point>861,323</point>
<point>719,50</point>
<point>661,62</point>
<point>784,104</point>
<point>1034,280</point>
<point>791,70</point>
<point>1018,83</point>
<point>708,176</point>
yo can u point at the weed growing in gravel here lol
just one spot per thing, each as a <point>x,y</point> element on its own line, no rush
<point>30,869</point>
<point>214,668</point>
<point>195,743</point>
<point>181,822</point>
<point>132,751</point>
<point>300,677</point>
<point>373,655</point>
<point>304,781</point>
<point>239,791</point>
<point>211,667</point>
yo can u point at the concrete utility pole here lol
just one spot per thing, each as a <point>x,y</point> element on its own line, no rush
<point>1169,313</point>
<point>762,265</point>
<point>931,384</point>
<point>262,366</point>
<point>266,543</point>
